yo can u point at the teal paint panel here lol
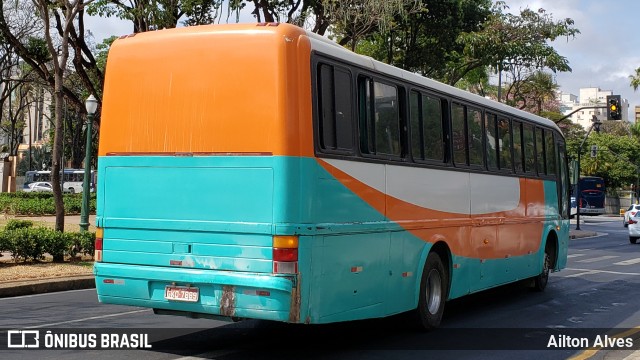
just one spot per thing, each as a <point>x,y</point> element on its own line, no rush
<point>405,272</point>
<point>187,236</point>
<point>551,199</point>
<point>189,193</point>
<point>188,261</point>
<point>144,286</point>
<point>350,273</point>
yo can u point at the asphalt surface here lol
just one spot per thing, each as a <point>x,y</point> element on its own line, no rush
<point>596,290</point>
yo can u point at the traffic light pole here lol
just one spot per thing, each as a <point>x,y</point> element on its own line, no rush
<point>595,124</point>
<point>578,109</point>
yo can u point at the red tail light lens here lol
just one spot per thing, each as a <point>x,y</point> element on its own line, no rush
<point>631,221</point>
<point>98,245</point>
<point>285,254</point>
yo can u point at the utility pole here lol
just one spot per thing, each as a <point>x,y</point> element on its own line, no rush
<point>595,125</point>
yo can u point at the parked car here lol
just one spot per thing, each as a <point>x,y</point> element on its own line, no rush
<point>631,212</point>
<point>634,228</point>
<point>39,186</point>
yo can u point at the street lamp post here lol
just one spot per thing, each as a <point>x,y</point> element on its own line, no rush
<point>91,104</point>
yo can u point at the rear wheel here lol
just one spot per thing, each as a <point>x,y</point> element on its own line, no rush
<point>540,281</point>
<point>633,239</point>
<point>433,293</point>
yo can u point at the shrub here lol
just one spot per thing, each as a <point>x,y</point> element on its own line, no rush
<point>28,243</point>
<point>14,224</point>
<point>26,203</point>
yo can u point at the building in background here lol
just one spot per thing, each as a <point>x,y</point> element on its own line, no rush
<point>636,113</point>
<point>591,96</point>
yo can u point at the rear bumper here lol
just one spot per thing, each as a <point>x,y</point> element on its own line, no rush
<point>221,293</point>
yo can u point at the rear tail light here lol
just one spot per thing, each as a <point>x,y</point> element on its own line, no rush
<point>631,221</point>
<point>98,245</point>
<point>285,254</point>
<point>633,213</point>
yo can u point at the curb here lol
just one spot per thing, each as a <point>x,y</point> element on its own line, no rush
<point>582,235</point>
<point>30,287</point>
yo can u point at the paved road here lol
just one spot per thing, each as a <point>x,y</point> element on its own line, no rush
<point>598,291</point>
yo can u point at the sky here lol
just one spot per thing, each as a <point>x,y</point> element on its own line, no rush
<point>603,55</point>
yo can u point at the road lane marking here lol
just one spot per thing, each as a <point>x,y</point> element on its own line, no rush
<point>575,255</point>
<point>628,262</point>
<point>599,258</point>
<point>590,272</point>
<point>603,272</point>
<point>86,319</point>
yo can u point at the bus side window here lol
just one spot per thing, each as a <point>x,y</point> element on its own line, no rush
<point>458,137</point>
<point>379,118</point>
<point>505,144</point>
<point>517,146</point>
<point>334,103</point>
<point>491,140</point>
<point>474,137</point>
<point>426,127</point>
<point>540,151</point>
<point>550,152</point>
<point>529,149</point>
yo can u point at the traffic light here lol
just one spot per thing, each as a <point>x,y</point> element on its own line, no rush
<point>614,109</point>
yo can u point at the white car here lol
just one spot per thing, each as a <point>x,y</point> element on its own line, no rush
<point>634,228</point>
<point>631,212</point>
<point>39,186</point>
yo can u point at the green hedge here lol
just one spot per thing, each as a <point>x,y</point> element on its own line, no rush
<point>28,243</point>
<point>25,203</point>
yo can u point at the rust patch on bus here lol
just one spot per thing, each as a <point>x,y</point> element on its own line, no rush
<point>228,301</point>
<point>294,309</point>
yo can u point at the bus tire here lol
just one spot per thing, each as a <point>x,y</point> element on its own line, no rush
<point>633,239</point>
<point>540,281</point>
<point>433,293</point>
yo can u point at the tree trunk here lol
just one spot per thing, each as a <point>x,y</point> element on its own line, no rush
<point>57,152</point>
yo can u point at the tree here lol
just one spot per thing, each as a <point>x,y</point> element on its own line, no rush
<point>425,40</point>
<point>615,161</point>
<point>635,79</point>
<point>533,92</point>
<point>66,13</point>
<point>149,15</point>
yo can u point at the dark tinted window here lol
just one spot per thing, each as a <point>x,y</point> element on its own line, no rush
<point>550,152</point>
<point>336,126</point>
<point>426,127</point>
<point>504,144</point>
<point>529,149</point>
<point>474,136</point>
<point>491,140</point>
<point>540,151</point>
<point>517,146</point>
<point>380,117</point>
<point>458,135</point>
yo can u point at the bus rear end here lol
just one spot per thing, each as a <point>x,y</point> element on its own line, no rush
<point>195,169</point>
<point>592,195</point>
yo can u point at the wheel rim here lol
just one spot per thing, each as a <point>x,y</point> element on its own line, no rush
<point>434,291</point>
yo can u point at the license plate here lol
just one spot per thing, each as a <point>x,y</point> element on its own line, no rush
<point>181,293</point>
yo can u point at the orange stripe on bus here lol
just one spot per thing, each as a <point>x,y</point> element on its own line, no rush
<point>488,236</point>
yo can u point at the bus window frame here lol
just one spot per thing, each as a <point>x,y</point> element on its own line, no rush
<point>317,62</point>
<point>402,123</point>
<point>443,126</point>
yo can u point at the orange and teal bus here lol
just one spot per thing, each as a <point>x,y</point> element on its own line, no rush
<point>261,171</point>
